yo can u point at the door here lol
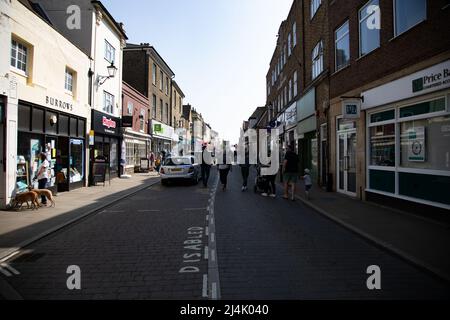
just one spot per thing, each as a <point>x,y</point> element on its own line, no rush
<point>347,162</point>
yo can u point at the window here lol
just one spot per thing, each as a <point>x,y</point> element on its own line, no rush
<point>161,80</point>
<point>161,109</point>
<point>317,60</point>
<point>180,104</point>
<point>154,74</point>
<point>294,34</point>
<point>110,52</point>
<point>268,89</point>
<point>289,45</point>
<point>295,83</point>
<point>382,145</point>
<point>68,83</point>
<point>167,86</point>
<point>290,89</point>
<point>130,107</point>
<point>154,106</point>
<point>408,13</point>
<point>315,4</point>
<point>142,120</point>
<point>167,113</point>
<point>108,102</point>
<point>423,108</point>
<point>285,53</point>
<point>342,46</point>
<point>285,95</point>
<point>19,54</point>
<point>369,32</point>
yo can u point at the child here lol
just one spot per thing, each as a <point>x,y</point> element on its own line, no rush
<point>308,182</point>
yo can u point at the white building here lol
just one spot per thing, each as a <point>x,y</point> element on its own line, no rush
<point>44,99</point>
<point>103,39</point>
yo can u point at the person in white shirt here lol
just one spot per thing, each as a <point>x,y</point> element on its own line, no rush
<point>308,182</point>
<point>42,175</point>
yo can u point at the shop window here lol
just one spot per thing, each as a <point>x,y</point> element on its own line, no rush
<point>24,118</point>
<point>51,125</point>
<point>425,144</point>
<point>423,186</point>
<point>382,145</point>
<point>382,116</point>
<point>81,128</point>
<point>369,33</point>
<point>63,124</point>
<point>423,108</point>
<point>382,180</point>
<point>73,127</point>
<point>38,120</point>
<point>76,163</point>
<point>409,13</point>
<point>342,46</point>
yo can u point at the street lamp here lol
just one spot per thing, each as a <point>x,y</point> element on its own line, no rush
<point>111,74</point>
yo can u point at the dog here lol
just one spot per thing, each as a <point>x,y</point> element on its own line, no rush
<point>25,197</point>
<point>44,192</point>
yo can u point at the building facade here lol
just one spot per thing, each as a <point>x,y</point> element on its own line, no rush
<point>148,73</point>
<point>389,111</point>
<point>44,103</point>
<point>135,122</point>
<point>102,38</point>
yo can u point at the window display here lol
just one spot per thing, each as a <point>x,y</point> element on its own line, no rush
<point>76,162</point>
<point>382,145</point>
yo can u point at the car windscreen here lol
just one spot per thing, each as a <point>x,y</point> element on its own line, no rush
<point>177,161</point>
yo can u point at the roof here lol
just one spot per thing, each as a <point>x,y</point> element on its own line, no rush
<point>175,84</point>
<point>142,46</point>
<point>119,26</point>
<point>257,113</point>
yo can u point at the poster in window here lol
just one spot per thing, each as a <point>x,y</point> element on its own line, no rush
<point>416,144</point>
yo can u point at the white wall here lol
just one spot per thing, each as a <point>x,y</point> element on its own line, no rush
<point>102,31</point>
<point>49,54</point>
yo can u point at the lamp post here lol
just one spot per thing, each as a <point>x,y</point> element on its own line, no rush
<point>111,74</point>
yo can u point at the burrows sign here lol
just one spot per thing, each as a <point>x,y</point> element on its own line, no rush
<point>53,102</point>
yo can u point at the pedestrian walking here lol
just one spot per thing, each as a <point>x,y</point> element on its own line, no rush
<point>42,176</point>
<point>224,169</point>
<point>308,182</point>
<point>245,170</point>
<point>290,172</point>
<point>270,189</point>
<point>205,167</point>
<point>152,159</point>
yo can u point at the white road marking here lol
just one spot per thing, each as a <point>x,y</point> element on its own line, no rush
<point>212,237</point>
<point>149,210</point>
<point>214,291</point>
<point>195,209</point>
<point>212,221</point>
<point>6,273</point>
<point>213,255</point>
<point>205,286</point>
<point>207,231</point>
<point>10,268</point>
<point>207,217</point>
<point>206,252</point>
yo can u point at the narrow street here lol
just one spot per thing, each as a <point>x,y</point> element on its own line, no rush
<point>153,245</point>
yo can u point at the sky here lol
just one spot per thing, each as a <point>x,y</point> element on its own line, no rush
<point>220,50</point>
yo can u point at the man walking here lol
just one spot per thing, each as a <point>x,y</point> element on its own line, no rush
<point>290,172</point>
<point>205,167</point>
<point>245,170</point>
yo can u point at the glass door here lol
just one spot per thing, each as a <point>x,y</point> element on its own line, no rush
<point>347,162</point>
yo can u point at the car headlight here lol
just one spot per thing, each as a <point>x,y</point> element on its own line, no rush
<point>191,170</point>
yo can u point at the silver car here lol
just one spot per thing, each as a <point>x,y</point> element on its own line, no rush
<point>183,167</point>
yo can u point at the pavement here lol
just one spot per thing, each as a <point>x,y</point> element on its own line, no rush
<point>422,241</point>
<point>18,228</point>
<point>188,242</point>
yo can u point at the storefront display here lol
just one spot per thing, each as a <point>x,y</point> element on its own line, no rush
<point>42,130</point>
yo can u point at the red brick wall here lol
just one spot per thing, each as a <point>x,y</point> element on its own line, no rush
<point>140,102</point>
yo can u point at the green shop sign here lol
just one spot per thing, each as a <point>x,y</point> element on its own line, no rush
<point>157,128</point>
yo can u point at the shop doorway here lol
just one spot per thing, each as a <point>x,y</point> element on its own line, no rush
<point>346,158</point>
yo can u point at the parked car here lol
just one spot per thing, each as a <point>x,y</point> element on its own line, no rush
<point>182,168</point>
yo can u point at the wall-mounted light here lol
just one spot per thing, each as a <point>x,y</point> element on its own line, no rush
<point>53,120</point>
<point>111,74</point>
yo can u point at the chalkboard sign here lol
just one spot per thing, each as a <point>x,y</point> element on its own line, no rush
<point>99,172</point>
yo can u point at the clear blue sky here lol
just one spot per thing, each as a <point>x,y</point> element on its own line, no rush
<point>219,50</point>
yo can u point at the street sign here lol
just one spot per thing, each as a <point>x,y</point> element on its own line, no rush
<point>351,109</point>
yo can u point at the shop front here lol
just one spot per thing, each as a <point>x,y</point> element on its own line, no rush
<point>162,137</point>
<point>106,143</point>
<point>408,138</point>
<point>61,136</point>
<point>306,133</point>
<point>137,147</point>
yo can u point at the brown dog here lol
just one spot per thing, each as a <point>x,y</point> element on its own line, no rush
<point>44,192</point>
<point>22,198</point>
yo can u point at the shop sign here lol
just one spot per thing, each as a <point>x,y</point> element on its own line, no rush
<point>127,121</point>
<point>290,115</point>
<point>53,102</point>
<point>416,144</point>
<point>351,109</point>
<point>157,128</point>
<point>105,124</point>
<point>431,80</point>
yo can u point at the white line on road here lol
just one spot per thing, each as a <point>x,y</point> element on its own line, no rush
<point>149,210</point>
<point>214,291</point>
<point>207,217</point>
<point>6,273</point>
<point>212,237</point>
<point>205,286</point>
<point>213,255</point>
<point>207,231</point>
<point>9,268</point>
<point>195,209</point>
<point>212,221</point>
<point>206,252</point>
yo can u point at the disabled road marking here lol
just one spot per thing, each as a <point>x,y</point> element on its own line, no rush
<point>8,270</point>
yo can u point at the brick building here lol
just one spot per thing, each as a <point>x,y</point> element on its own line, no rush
<point>389,114</point>
<point>147,72</point>
<point>136,121</point>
